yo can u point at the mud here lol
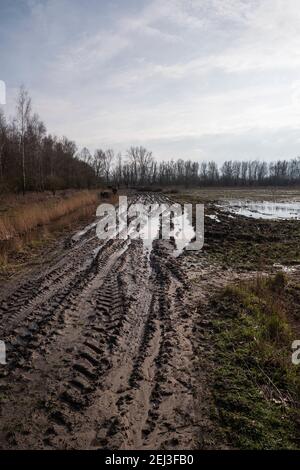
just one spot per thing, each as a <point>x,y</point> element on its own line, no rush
<point>100,351</point>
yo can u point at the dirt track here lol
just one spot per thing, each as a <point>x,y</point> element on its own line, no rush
<point>100,352</point>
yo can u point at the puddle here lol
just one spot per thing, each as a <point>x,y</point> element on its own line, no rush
<point>81,233</point>
<point>183,233</point>
<point>149,229</point>
<point>263,210</point>
<point>213,217</point>
<point>287,269</point>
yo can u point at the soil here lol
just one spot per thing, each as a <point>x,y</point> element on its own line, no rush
<point>104,344</point>
<point>100,351</point>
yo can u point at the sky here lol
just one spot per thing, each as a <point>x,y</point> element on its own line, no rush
<point>191,79</point>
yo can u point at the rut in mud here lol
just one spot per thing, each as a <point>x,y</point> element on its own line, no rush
<point>100,352</point>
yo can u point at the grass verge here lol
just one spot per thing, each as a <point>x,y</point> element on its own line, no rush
<point>256,387</point>
<point>27,223</point>
<point>21,220</point>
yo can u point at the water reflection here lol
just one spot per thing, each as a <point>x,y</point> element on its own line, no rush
<point>183,233</point>
<point>263,210</point>
<point>182,230</point>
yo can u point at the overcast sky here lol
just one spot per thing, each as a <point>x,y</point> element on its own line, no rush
<point>200,79</point>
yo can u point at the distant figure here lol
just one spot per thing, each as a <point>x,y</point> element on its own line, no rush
<point>114,190</point>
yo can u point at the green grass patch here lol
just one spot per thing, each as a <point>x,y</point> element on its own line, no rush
<point>256,386</point>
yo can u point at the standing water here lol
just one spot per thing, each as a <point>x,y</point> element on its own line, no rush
<point>264,209</point>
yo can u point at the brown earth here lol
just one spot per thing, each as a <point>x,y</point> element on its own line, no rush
<point>100,351</point>
<point>106,345</point>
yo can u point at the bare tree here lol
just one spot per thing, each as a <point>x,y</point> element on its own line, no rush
<point>203,172</point>
<point>86,156</point>
<point>23,118</point>
<point>35,134</point>
<point>213,172</point>
<point>117,172</point>
<point>141,160</point>
<point>108,160</point>
<point>99,157</point>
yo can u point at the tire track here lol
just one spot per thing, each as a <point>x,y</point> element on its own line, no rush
<point>99,352</point>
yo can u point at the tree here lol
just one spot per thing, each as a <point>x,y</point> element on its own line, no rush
<point>86,156</point>
<point>141,159</point>
<point>107,163</point>
<point>35,135</point>
<point>103,163</point>
<point>99,157</point>
<point>118,169</point>
<point>213,172</point>
<point>23,118</point>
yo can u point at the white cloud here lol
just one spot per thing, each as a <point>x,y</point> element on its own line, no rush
<point>166,69</point>
<point>90,53</point>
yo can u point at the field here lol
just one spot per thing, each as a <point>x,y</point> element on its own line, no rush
<point>247,289</point>
<point>110,346</point>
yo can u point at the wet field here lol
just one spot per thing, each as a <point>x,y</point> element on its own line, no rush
<point>113,343</point>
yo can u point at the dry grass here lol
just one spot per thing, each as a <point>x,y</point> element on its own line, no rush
<point>25,221</point>
<point>21,220</point>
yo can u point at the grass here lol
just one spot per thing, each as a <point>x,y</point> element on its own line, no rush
<point>256,386</point>
<point>254,244</point>
<point>25,220</point>
<point>22,220</point>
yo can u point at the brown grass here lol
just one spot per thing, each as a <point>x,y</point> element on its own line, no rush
<point>21,220</point>
<point>27,220</point>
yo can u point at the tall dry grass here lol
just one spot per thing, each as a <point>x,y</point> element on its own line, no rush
<point>22,220</point>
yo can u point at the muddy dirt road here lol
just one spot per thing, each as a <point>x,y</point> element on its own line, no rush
<point>99,351</point>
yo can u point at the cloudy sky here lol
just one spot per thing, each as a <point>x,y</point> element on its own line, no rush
<point>201,79</point>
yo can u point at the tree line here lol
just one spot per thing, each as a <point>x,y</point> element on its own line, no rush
<point>139,168</point>
<point>32,159</point>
